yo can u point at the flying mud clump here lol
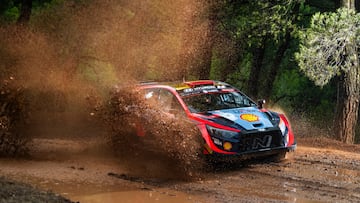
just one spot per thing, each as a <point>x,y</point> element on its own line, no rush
<point>140,128</point>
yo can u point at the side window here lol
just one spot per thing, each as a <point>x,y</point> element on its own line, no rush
<point>151,96</point>
<point>165,99</point>
<point>229,98</point>
<point>242,99</point>
<point>239,99</point>
<point>169,102</point>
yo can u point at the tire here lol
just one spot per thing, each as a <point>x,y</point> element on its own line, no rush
<point>278,157</point>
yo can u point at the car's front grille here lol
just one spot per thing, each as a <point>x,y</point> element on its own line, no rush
<point>260,140</point>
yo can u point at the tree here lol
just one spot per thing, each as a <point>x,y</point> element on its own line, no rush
<point>257,64</point>
<point>20,11</point>
<point>329,48</point>
<point>254,29</point>
<point>25,11</point>
<point>213,7</point>
<point>275,66</point>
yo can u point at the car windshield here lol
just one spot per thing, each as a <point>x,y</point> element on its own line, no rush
<point>205,102</point>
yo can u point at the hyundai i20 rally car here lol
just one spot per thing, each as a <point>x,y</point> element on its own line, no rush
<point>231,124</point>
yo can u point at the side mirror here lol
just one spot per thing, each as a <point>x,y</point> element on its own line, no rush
<point>261,103</point>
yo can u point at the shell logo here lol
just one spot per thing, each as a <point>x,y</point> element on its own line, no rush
<point>249,117</point>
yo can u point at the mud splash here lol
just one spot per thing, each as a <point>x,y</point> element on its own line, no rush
<point>100,43</point>
<point>68,68</point>
<point>143,133</point>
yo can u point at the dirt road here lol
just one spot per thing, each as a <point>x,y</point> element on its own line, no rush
<point>86,171</point>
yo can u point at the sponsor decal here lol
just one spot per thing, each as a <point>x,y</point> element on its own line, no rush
<point>255,143</point>
<point>199,89</point>
<point>249,117</point>
<point>182,87</point>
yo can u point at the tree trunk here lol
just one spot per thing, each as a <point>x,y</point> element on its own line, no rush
<point>346,115</point>
<point>357,6</point>
<point>350,4</point>
<point>205,66</point>
<point>258,57</point>
<point>232,61</point>
<point>347,108</point>
<point>213,8</point>
<point>25,12</point>
<point>338,3</point>
<point>275,66</point>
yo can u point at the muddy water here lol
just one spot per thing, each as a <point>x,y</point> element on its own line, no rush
<point>105,192</point>
<point>160,196</point>
<point>70,168</point>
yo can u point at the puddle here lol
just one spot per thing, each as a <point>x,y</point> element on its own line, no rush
<point>159,196</point>
<point>124,192</point>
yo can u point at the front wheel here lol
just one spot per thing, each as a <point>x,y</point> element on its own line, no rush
<point>279,157</point>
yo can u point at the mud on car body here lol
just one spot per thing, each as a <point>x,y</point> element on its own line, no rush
<point>231,124</point>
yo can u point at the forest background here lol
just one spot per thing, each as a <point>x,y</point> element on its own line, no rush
<point>55,53</point>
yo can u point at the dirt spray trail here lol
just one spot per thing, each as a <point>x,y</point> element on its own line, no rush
<point>103,42</point>
<point>69,67</point>
<point>73,51</point>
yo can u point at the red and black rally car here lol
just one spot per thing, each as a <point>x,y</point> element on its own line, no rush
<point>231,124</point>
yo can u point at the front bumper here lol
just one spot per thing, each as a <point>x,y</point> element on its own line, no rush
<point>250,154</point>
<point>249,142</point>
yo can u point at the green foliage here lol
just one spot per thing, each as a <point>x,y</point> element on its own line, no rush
<point>330,46</point>
<point>297,93</point>
<point>247,25</point>
<point>9,12</point>
<point>10,9</point>
<point>217,64</point>
<point>244,24</point>
<point>239,77</point>
<point>11,15</point>
<point>253,20</point>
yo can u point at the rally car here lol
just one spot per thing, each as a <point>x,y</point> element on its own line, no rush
<point>230,123</point>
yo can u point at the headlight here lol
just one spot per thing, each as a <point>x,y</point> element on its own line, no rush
<point>282,127</point>
<point>221,133</point>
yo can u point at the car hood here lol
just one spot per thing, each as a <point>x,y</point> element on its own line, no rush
<point>249,118</point>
